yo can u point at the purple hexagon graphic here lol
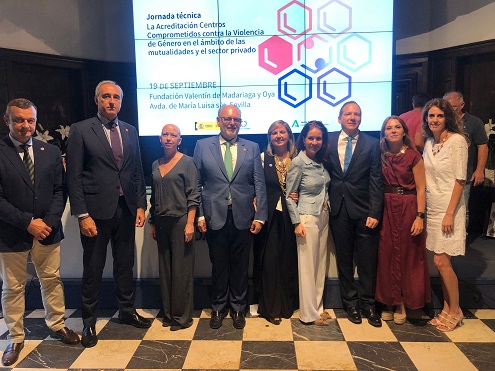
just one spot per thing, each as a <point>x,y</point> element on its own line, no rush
<point>334,87</point>
<point>275,55</point>
<point>354,52</point>
<point>334,17</point>
<point>294,88</point>
<point>287,16</point>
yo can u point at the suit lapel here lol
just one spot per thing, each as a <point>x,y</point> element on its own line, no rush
<point>359,148</point>
<point>217,155</point>
<point>124,133</point>
<point>334,152</point>
<point>241,156</point>
<point>100,134</point>
<point>12,155</point>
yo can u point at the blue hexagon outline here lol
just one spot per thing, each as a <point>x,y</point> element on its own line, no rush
<point>338,33</point>
<point>339,60</point>
<point>280,88</point>
<point>349,85</point>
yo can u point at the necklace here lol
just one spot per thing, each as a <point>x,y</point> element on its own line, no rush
<point>282,165</point>
<point>401,152</point>
<point>436,147</point>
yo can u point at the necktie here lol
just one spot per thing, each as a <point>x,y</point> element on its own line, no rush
<point>115,143</point>
<point>348,153</point>
<point>227,159</point>
<point>28,161</point>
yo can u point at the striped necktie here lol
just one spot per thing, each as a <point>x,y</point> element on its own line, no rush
<point>227,159</point>
<point>28,162</point>
<point>348,153</point>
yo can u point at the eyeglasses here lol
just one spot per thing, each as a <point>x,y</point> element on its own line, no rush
<point>237,120</point>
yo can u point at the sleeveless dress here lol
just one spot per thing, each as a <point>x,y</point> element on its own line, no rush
<point>442,169</point>
<point>402,272</point>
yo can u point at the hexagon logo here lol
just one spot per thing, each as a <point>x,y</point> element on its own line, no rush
<point>334,87</point>
<point>294,88</point>
<point>287,16</point>
<point>275,54</point>
<point>354,52</point>
<point>334,17</point>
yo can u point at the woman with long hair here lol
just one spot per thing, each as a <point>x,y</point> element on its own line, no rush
<point>403,279</point>
<point>308,177</point>
<point>445,156</point>
<point>275,245</point>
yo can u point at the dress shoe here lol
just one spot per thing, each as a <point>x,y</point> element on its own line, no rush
<point>373,317</point>
<point>353,315</point>
<point>238,319</point>
<point>135,320</point>
<point>89,338</point>
<point>217,319</point>
<point>11,354</point>
<point>66,335</point>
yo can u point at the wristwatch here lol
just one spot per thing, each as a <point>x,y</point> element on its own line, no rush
<point>421,215</point>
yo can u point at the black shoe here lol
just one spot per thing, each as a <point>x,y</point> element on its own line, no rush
<point>89,338</point>
<point>135,320</point>
<point>217,319</point>
<point>373,317</point>
<point>238,319</point>
<point>353,315</point>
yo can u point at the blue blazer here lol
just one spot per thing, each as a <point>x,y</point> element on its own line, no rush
<point>248,181</point>
<point>92,176</point>
<point>20,201</point>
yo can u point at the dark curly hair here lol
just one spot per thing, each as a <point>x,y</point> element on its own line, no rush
<point>322,154</point>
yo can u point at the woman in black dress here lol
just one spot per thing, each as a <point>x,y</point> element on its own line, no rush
<point>275,245</point>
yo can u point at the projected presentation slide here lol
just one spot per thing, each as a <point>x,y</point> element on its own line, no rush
<point>290,60</point>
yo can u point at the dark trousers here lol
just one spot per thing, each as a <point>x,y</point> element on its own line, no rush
<point>355,243</point>
<point>176,269</point>
<point>120,231</point>
<point>229,255</point>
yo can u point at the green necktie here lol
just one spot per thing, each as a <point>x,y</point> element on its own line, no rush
<point>227,159</point>
<point>28,161</point>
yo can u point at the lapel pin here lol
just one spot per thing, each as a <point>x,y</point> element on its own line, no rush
<point>42,148</point>
<point>270,165</point>
<point>127,130</point>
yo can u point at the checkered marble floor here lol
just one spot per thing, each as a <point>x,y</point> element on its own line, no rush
<point>262,345</point>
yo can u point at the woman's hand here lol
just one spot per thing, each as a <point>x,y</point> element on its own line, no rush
<point>189,232</point>
<point>300,230</point>
<point>417,227</point>
<point>448,224</point>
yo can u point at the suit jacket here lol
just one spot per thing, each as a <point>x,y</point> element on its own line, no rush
<point>362,184</point>
<point>248,181</point>
<point>93,177</point>
<point>20,201</point>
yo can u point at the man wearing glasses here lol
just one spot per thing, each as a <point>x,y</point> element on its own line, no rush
<point>230,177</point>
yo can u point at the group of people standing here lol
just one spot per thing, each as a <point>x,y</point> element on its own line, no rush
<point>372,195</point>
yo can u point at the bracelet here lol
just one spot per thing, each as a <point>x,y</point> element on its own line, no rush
<point>82,218</point>
<point>421,215</point>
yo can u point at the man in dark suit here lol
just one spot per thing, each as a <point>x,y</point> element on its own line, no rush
<point>230,177</point>
<point>31,204</point>
<point>107,194</point>
<point>356,201</point>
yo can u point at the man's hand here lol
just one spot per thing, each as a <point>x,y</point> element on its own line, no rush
<point>39,229</point>
<point>140,217</point>
<point>87,226</point>
<point>371,222</point>
<point>255,227</point>
<point>202,226</point>
<point>294,196</point>
<point>478,177</point>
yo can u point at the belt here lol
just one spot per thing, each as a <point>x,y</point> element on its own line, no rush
<point>399,190</point>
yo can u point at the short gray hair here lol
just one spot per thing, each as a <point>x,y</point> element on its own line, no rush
<point>97,89</point>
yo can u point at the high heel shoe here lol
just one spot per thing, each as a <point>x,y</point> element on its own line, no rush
<point>451,324</point>
<point>435,320</point>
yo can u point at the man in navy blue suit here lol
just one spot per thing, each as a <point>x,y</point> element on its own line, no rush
<point>32,200</point>
<point>107,194</point>
<point>230,178</point>
<point>356,202</point>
